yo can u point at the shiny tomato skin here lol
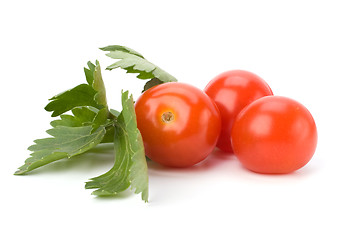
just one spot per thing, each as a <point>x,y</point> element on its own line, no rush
<point>274,135</point>
<point>179,123</point>
<point>232,91</point>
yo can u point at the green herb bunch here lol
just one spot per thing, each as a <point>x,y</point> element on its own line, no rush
<point>85,121</point>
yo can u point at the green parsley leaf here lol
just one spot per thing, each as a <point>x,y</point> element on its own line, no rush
<point>153,82</point>
<point>89,73</point>
<point>133,62</point>
<point>91,123</point>
<point>110,128</point>
<point>98,86</point>
<point>66,143</point>
<point>130,167</point>
<point>81,95</point>
<point>100,119</point>
<point>82,116</point>
<point>91,94</point>
<point>112,48</point>
<point>77,133</point>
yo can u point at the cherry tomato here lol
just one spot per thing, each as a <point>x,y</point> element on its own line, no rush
<point>232,91</point>
<point>179,123</point>
<point>274,135</point>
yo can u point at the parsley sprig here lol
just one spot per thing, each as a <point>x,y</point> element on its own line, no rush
<point>85,121</point>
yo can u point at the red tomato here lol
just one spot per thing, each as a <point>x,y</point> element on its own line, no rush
<point>274,135</point>
<point>179,123</point>
<point>232,91</point>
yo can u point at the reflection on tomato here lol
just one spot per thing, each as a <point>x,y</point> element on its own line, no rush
<point>179,123</point>
<point>232,91</point>
<point>274,135</point>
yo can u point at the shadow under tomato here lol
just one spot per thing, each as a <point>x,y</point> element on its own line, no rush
<point>216,159</point>
<point>301,173</point>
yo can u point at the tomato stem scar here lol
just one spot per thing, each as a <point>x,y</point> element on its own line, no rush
<point>167,117</point>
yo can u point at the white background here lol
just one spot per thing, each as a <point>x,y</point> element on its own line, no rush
<point>44,47</point>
